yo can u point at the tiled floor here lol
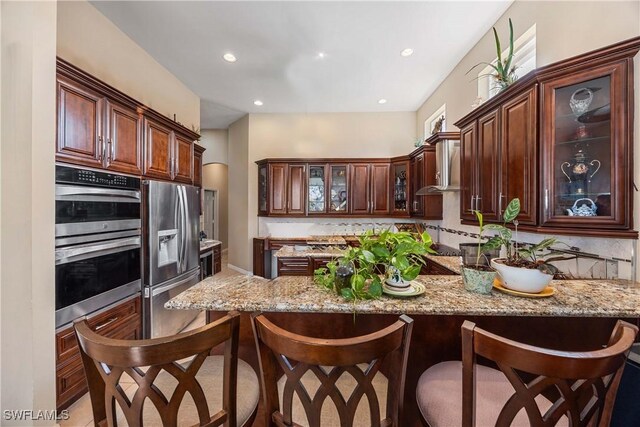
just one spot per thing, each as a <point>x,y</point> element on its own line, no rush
<point>80,414</point>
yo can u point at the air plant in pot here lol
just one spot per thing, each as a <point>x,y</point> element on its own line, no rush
<point>525,268</point>
<point>504,73</point>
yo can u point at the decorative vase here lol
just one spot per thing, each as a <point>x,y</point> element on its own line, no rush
<point>344,272</point>
<point>478,281</point>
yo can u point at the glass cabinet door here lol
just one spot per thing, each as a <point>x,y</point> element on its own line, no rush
<point>317,202</point>
<point>338,189</point>
<point>399,176</point>
<point>262,189</point>
<point>584,165</point>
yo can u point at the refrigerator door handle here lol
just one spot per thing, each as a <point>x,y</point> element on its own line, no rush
<point>186,234</point>
<point>179,222</point>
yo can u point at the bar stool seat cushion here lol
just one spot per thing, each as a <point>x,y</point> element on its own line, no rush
<point>346,384</point>
<point>210,378</point>
<point>439,395</point>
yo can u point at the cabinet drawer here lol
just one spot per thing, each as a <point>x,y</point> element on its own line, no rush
<point>70,382</point>
<point>293,266</point>
<point>106,323</point>
<point>317,262</point>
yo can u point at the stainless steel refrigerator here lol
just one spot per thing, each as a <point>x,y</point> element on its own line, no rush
<point>172,217</point>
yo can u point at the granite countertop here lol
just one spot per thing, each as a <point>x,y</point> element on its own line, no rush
<point>208,244</point>
<point>291,251</point>
<point>450,262</point>
<point>445,295</point>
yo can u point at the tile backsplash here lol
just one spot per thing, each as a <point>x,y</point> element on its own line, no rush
<point>598,257</point>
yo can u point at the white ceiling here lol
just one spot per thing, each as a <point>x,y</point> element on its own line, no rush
<point>277,46</point>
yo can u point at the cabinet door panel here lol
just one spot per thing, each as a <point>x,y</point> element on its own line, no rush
<point>380,189</point>
<point>468,137</point>
<point>80,112</point>
<point>183,160</point>
<point>124,140</point>
<point>278,188</point>
<point>296,193</point>
<point>488,158</point>
<point>518,156</point>
<point>417,174</point>
<point>158,150</point>
<point>432,203</point>
<point>360,188</point>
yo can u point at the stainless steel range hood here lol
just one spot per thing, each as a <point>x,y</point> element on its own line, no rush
<point>447,163</point>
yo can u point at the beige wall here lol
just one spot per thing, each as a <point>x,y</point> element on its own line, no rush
<point>302,135</point>
<point>28,46</point>
<point>563,29</point>
<point>240,247</point>
<point>87,39</point>
<point>216,142</point>
<point>215,177</point>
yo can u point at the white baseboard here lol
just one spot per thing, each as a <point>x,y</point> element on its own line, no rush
<point>239,270</point>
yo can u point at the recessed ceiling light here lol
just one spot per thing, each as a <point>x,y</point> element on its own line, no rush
<point>407,52</point>
<point>321,55</point>
<point>382,101</point>
<point>229,57</point>
<point>257,102</point>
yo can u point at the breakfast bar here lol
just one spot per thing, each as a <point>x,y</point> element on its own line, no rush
<point>579,316</point>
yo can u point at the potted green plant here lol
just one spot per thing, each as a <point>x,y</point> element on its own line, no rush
<point>524,268</point>
<point>479,277</point>
<point>504,71</point>
<point>399,255</point>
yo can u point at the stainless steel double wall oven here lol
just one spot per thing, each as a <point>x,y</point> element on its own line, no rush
<point>98,240</point>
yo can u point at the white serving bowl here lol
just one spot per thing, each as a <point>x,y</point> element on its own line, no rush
<point>528,280</point>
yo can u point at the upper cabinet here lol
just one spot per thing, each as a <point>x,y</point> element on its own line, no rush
<point>168,155</point>
<point>198,151</point>
<point>423,173</point>
<point>400,178</point>
<point>100,127</point>
<point>560,140</point>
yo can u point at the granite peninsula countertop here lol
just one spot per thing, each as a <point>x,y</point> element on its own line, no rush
<point>450,262</point>
<point>445,295</point>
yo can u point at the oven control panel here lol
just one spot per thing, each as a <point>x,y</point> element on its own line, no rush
<point>69,175</point>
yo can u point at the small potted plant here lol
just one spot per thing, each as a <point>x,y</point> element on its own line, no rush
<point>479,277</point>
<point>399,255</point>
<point>523,269</point>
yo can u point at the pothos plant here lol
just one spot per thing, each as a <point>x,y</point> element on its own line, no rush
<point>535,256</point>
<point>402,250</point>
<point>504,71</point>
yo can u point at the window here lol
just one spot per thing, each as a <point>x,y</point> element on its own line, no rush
<point>430,123</point>
<point>524,58</point>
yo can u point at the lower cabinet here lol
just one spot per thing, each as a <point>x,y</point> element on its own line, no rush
<point>294,266</point>
<point>217,259</point>
<point>122,321</point>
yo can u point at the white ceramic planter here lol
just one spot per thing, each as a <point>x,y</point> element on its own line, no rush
<point>521,279</point>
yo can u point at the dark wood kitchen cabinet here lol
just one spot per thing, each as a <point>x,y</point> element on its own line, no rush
<point>560,140</point>
<point>101,127</point>
<point>198,151</point>
<point>380,188</point>
<point>122,321</point>
<point>296,189</point>
<point>423,174</point>
<point>168,155</point>
<point>282,188</point>
<point>277,184</point>
<point>95,131</point>
<point>400,185</point>
<point>158,162</point>
<point>360,188</point>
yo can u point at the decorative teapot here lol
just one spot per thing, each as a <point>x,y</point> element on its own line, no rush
<point>584,209</point>
<point>580,171</point>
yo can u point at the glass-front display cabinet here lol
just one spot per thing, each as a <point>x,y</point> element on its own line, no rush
<point>400,176</point>
<point>587,168</point>
<point>316,190</point>
<point>338,191</point>
<point>262,190</point>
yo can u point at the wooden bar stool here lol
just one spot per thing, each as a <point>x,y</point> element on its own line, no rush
<point>163,382</point>
<point>343,370</point>
<point>568,388</point>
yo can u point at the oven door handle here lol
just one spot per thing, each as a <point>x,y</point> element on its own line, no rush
<point>74,192</point>
<point>78,253</point>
